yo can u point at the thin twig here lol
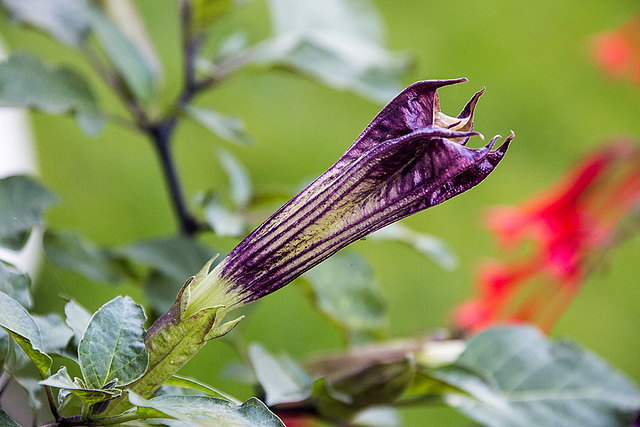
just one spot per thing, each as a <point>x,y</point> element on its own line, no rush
<point>117,84</point>
<point>227,67</point>
<point>189,44</point>
<point>161,138</point>
<point>52,403</point>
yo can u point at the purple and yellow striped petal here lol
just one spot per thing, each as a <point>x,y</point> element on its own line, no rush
<point>409,158</point>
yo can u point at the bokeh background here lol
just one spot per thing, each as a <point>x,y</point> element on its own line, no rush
<point>534,59</point>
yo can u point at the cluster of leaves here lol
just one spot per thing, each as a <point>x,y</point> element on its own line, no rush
<point>507,376</point>
<point>107,348</point>
<point>511,376</point>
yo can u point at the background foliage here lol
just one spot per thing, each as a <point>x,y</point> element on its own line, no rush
<point>534,60</point>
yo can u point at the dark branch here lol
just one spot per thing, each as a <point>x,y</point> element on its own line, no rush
<point>161,130</point>
<point>161,138</point>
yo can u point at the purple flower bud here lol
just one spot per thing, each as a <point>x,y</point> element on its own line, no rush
<point>409,158</point>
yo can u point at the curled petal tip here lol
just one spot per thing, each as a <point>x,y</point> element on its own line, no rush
<point>454,81</point>
<point>503,147</point>
<point>491,143</point>
<point>509,138</point>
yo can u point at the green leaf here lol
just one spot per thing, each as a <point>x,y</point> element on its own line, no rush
<point>345,291</point>
<point>517,377</point>
<point>55,334</point>
<point>25,81</point>
<point>222,221</point>
<point>229,46</point>
<point>176,257</point>
<point>13,357</point>
<point>71,251</point>
<point>230,129</point>
<point>338,42</point>
<point>88,396</point>
<point>205,12</point>
<point>6,420</point>
<point>209,411</point>
<point>112,346</point>
<point>126,16</point>
<point>137,72</point>
<point>431,247</point>
<point>240,187</point>
<point>281,378</point>
<point>24,330</point>
<point>15,284</point>
<point>90,122</point>
<point>173,260</point>
<point>65,20</point>
<point>77,318</point>
<point>22,204</point>
<point>184,382</point>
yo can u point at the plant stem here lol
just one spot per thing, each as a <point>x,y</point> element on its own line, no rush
<point>161,138</point>
<point>52,403</point>
<point>116,83</point>
<point>161,133</point>
<point>190,45</point>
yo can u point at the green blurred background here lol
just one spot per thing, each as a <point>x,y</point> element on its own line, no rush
<point>533,58</point>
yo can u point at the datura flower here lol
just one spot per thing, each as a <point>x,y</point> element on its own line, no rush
<point>409,158</point>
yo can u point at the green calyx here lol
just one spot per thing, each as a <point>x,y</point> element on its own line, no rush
<point>174,339</point>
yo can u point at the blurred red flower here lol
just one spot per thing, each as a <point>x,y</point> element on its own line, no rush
<point>569,226</point>
<point>618,51</point>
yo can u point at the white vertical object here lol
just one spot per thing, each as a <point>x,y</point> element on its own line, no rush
<point>17,156</point>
